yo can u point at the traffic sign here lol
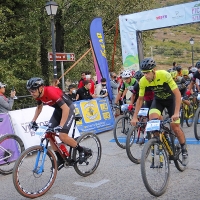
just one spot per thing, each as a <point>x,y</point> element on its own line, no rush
<point>62,56</point>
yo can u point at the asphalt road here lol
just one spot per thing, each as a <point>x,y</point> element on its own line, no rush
<point>117,178</point>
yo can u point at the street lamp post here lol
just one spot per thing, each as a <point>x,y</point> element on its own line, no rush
<point>51,8</point>
<point>192,43</point>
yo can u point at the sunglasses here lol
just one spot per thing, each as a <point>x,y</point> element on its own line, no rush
<point>3,87</point>
<point>32,90</point>
<point>146,72</point>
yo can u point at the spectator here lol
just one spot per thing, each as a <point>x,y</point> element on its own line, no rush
<point>88,77</point>
<point>80,83</point>
<point>101,90</point>
<point>174,66</point>
<point>6,104</point>
<point>84,93</point>
<point>55,82</point>
<point>114,86</point>
<point>72,92</point>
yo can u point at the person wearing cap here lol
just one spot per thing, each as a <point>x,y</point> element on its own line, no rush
<point>6,104</point>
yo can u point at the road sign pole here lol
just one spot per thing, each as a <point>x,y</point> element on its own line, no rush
<point>62,72</point>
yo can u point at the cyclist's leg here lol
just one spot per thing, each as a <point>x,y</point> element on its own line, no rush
<point>170,105</point>
<point>155,110</point>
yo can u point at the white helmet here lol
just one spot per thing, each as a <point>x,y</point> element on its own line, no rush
<point>193,69</point>
<point>126,74</point>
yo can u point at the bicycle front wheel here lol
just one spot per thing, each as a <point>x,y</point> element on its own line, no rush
<point>134,144</point>
<point>155,167</point>
<point>29,182</point>
<point>197,124</point>
<point>11,146</point>
<point>121,129</point>
<point>92,160</point>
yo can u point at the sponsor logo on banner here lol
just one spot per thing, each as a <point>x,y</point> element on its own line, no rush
<point>90,111</point>
<point>161,17</point>
<point>146,20</point>
<point>178,14</point>
<point>196,12</point>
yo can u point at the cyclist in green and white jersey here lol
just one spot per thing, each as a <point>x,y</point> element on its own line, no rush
<point>128,84</point>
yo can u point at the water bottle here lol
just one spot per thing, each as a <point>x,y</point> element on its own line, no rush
<point>64,150</point>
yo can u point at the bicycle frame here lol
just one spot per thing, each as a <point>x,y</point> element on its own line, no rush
<point>50,137</point>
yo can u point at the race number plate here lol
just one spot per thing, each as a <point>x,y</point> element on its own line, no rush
<point>153,125</point>
<point>41,130</point>
<point>143,112</point>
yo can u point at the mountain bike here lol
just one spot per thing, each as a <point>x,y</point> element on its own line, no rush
<point>197,120</point>
<point>136,137</point>
<point>187,111</point>
<point>122,126</point>
<point>36,169</point>
<point>11,146</point>
<point>162,147</point>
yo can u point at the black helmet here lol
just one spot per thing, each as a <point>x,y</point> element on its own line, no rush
<point>147,64</point>
<point>178,68</point>
<point>138,75</point>
<point>197,65</point>
<point>34,83</point>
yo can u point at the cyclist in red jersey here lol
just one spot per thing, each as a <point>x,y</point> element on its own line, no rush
<point>62,117</point>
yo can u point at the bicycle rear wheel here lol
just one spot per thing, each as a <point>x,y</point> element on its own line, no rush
<point>155,175</point>
<point>27,181</point>
<point>11,146</point>
<point>92,142</point>
<point>121,129</point>
<point>189,120</point>
<point>134,144</point>
<point>197,124</point>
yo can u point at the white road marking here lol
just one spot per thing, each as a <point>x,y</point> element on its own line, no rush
<point>92,185</point>
<point>64,197</point>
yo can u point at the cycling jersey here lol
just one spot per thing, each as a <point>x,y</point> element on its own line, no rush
<point>162,85</point>
<point>128,85</point>
<point>195,76</point>
<point>148,95</point>
<point>54,97</point>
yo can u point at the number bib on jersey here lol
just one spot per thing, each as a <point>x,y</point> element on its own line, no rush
<point>153,125</point>
<point>143,112</point>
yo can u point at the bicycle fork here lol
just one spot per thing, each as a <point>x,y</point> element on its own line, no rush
<point>39,169</point>
<point>159,152</point>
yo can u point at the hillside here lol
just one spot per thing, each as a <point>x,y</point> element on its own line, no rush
<point>172,44</point>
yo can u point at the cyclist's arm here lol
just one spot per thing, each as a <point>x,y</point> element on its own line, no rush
<point>118,97</point>
<point>139,103</point>
<point>133,95</point>
<point>177,95</point>
<point>191,85</point>
<point>65,113</point>
<point>37,111</point>
<point>124,93</point>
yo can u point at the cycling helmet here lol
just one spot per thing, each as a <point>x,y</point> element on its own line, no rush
<point>138,75</point>
<point>193,69</point>
<point>147,64</point>
<point>34,83</point>
<point>178,68</point>
<point>126,74</point>
<point>197,65</point>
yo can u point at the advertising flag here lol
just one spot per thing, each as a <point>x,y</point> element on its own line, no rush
<point>98,44</point>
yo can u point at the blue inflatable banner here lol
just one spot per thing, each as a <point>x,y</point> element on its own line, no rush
<point>97,115</point>
<point>98,44</point>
